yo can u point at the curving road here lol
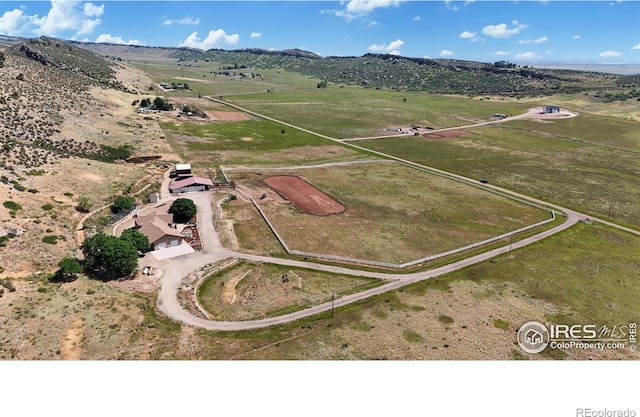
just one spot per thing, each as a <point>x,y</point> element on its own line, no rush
<point>176,269</point>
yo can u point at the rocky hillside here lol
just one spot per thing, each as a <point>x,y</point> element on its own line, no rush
<point>42,82</point>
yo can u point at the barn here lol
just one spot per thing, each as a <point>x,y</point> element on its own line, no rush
<point>191,184</point>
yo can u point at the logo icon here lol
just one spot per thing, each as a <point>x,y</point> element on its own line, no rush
<point>533,337</point>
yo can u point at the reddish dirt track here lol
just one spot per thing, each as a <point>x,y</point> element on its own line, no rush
<point>304,196</point>
<point>446,134</point>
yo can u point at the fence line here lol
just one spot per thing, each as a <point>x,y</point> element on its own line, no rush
<point>385,264</point>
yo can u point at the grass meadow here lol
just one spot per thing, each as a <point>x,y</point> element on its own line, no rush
<point>394,213</point>
<point>356,112</point>
<point>257,142</point>
<point>580,174</point>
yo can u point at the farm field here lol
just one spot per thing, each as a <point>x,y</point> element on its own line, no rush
<point>581,174</point>
<point>251,291</point>
<point>394,214</point>
<point>356,112</point>
<point>256,142</point>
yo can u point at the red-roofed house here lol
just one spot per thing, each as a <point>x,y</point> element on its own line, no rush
<point>191,184</point>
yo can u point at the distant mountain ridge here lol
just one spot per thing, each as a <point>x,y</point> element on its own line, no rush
<point>386,71</point>
<point>442,76</point>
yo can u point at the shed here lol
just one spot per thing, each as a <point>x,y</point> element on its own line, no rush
<point>154,198</point>
<point>552,109</point>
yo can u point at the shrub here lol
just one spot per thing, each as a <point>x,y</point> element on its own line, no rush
<point>50,239</point>
<point>12,205</point>
<point>445,319</point>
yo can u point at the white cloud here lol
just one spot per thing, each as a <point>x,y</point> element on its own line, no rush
<point>392,48</point>
<point>107,38</point>
<point>576,37</point>
<point>92,10</point>
<point>367,6</point>
<point>451,6</point>
<point>610,54</point>
<point>636,46</point>
<point>214,39</point>
<point>527,55</point>
<point>468,35</point>
<point>184,21</point>
<point>372,23</point>
<point>255,35</point>
<point>360,9</point>
<point>502,30</point>
<point>445,52</point>
<point>69,15</point>
<point>417,19</point>
<point>502,53</point>
<point>13,22</point>
<point>530,41</point>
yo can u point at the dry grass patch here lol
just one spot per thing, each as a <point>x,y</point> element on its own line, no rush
<point>251,291</point>
<point>394,214</point>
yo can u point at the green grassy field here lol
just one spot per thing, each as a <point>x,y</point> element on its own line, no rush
<point>394,213</point>
<point>258,142</point>
<point>356,112</point>
<point>599,180</point>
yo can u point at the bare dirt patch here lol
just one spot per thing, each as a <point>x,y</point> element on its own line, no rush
<point>306,197</point>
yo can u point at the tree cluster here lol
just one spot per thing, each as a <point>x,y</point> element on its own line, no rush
<point>111,256</point>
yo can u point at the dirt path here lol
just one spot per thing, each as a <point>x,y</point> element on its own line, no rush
<point>71,347</point>
<point>229,291</point>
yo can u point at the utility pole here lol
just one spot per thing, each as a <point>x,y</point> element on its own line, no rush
<point>333,300</point>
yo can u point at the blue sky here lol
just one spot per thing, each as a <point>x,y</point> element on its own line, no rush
<point>525,32</point>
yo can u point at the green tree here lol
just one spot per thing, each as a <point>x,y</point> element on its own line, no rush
<point>160,103</point>
<point>183,210</point>
<point>84,204</point>
<point>109,254</point>
<point>145,102</point>
<point>68,271</point>
<point>122,203</point>
<point>137,239</point>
